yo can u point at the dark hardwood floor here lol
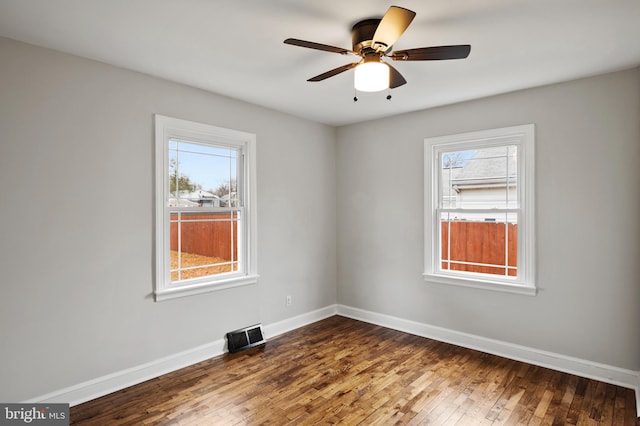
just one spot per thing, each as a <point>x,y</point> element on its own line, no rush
<point>342,371</point>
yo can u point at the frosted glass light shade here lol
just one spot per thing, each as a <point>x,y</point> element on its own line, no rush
<point>371,77</point>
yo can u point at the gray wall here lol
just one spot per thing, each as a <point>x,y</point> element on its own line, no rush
<point>588,205</point>
<point>76,229</point>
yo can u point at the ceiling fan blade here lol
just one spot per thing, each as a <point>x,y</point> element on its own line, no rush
<point>333,72</point>
<point>317,46</point>
<point>395,78</point>
<point>393,24</point>
<point>435,53</point>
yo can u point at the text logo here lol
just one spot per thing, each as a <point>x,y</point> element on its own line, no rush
<point>34,414</point>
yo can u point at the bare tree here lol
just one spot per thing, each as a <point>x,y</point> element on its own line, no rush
<point>452,160</point>
<point>226,188</point>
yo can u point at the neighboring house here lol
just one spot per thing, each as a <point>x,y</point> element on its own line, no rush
<point>204,198</point>
<point>224,200</point>
<point>486,179</point>
<point>196,198</point>
<point>181,202</point>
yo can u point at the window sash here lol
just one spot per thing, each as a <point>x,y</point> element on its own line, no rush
<point>239,209</point>
<point>235,212</point>
<point>438,202</point>
<point>440,256</point>
<point>501,175</point>
<point>478,211</point>
<point>177,130</point>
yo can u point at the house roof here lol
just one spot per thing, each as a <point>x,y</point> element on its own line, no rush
<point>488,167</point>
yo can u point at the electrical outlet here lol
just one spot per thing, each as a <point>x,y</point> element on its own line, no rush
<point>289,300</point>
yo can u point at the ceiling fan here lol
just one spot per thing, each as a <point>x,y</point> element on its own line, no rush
<point>373,40</point>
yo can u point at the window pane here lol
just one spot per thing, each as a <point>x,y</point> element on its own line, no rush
<point>484,178</point>
<point>452,164</point>
<point>201,175</point>
<point>203,244</point>
<point>471,244</point>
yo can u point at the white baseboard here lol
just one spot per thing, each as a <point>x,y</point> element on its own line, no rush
<point>104,385</point>
<point>580,367</point>
<point>92,389</point>
<point>280,327</point>
<point>637,388</point>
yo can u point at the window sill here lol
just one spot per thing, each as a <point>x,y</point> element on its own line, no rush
<point>175,292</point>
<point>481,284</point>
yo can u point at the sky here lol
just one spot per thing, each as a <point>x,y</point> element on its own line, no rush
<point>206,166</point>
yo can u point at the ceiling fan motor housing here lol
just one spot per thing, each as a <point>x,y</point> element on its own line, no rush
<point>362,36</point>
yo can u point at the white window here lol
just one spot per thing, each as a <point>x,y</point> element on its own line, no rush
<point>205,208</point>
<point>479,209</point>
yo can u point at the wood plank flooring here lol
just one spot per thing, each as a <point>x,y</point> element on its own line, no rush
<point>343,371</point>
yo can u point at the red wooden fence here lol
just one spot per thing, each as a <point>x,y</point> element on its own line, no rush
<point>212,234</point>
<point>480,242</point>
<point>477,242</point>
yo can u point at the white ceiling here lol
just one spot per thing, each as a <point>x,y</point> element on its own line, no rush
<point>235,48</point>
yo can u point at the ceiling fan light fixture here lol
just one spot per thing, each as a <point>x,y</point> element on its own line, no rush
<point>373,40</point>
<point>371,77</point>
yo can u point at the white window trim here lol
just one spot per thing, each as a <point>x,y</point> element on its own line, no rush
<point>165,129</point>
<point>524,137</point>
